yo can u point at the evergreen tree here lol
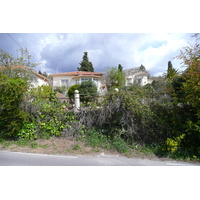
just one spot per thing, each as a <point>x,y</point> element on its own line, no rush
<point>120,68</point>
<point>86,65</point>
<point>170,65</point>
<point>142,68</point>
<point>171,72</point>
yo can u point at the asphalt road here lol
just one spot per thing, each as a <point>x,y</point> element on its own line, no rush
<point>30,159</point>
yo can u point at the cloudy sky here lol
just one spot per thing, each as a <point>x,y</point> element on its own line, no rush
<point>62,52</point>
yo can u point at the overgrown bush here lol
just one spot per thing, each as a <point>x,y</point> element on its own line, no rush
<point>72,89</point>
<point>47,112</point>
<point>61,89</point>
<point>146,117</point>
<point>87,90</point>
<point>124,114</point>
<point>11,97</point>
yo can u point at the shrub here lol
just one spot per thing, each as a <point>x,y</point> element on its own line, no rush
<point>72,89</point>
<point>87,90</point>
<point>46,113</point>
<point>28,131</point>
<point>95,138</point>
<point>61,89</point>
<point>11,97</point>
<point>122,114</point>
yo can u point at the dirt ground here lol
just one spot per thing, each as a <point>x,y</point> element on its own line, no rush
<point>61,146</point>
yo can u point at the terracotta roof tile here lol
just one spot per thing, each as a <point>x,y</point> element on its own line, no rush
<point>27,68</point>
<point>78,73</point>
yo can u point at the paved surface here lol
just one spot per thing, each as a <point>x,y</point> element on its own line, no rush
<point>30,159</point>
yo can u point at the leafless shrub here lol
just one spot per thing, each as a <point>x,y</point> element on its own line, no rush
<point>120,114</point>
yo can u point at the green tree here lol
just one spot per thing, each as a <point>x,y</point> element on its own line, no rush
<point>120,68</point>
<point>8,60</point>
<point>171,72</point>
<point>114,78</point>
<point>191,59</point>
<point>72,89</point>
<point>142,68</point>
<point>86,65</point>
<point>9,65</point>
<point>11,97</point>
<point>87,91</point>
<point>25,74</point>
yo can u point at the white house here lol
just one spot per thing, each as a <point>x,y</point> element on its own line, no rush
<point>137,75</point>
<point>69,79</point>
<point>39,80</point>
<point>23,71</point>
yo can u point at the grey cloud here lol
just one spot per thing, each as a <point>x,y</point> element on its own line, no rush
<point>104,49</point>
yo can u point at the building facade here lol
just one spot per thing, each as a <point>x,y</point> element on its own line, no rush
<point>69,79</point>
<point>137,75</point>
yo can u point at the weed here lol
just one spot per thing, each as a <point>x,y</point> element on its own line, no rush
<point>23,142</point>
<point>96,139</point>
<point>96,150</point>
<point>34,145</point>
<point>44,146</point>
<point>76,147</point>
<point>68,150</point>
<point>5,144</point>
<point>120,145</point>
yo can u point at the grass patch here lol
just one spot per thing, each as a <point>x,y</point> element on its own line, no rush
<point>5,144</point>
<point>96,139</point>
<point>76,147</point>
<point>34,145</point>
<point>144,149</point>
<point>23,142</point>
<point>44,146</point>
<point>68,150</point>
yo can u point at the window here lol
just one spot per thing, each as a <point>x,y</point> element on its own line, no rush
<point>64,83</point>
<point>84,79</point>
<point>95,81</point>
<point>78,82</point>
<point>129,80</point>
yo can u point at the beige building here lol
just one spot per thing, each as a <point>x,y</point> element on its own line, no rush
<point>137,75</point>
<point>69,79</point>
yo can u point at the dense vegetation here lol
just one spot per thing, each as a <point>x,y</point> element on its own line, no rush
<point>163,116</point>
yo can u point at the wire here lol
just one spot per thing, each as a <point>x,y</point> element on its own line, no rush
<point>14,40</point>
<point>19,45</point>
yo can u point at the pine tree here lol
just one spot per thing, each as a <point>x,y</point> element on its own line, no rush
<point>86,65</point>
<point>171,72</point>
<point>142,68</point>
<point>170,65</point>
<point>120,68</point>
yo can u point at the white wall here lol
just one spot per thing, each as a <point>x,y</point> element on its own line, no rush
<point>71,81</point>
<point>135,77</point>
<point>39,82</point>
<point>57,80</point>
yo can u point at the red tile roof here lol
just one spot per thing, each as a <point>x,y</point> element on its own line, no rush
<point>27,68</point>
<point>78,73</point>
